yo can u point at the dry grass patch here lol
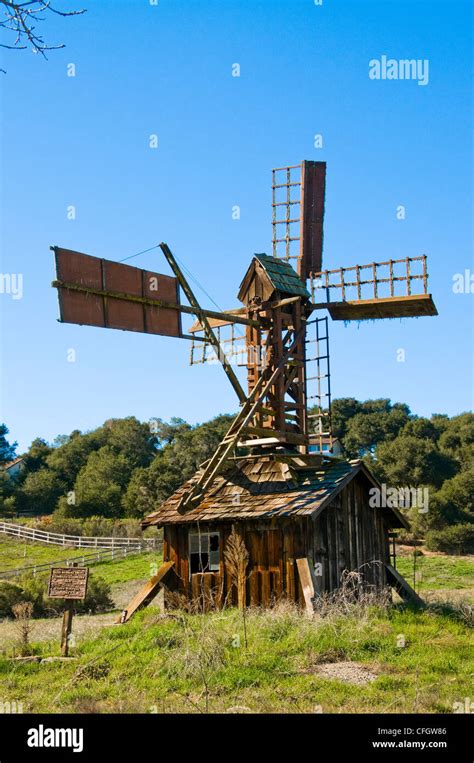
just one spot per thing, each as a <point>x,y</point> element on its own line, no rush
<point>347,672</point>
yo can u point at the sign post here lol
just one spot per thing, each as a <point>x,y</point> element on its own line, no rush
<point>69,583</point>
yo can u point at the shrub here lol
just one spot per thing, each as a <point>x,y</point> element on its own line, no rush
<point>35,589</point>
<point>10,595</point>
<point>98,597</point>
<point>56,523</point>
<point>22,613</point>
<point>120,528</point>
<point>455,539</point>
<point>90,526</point>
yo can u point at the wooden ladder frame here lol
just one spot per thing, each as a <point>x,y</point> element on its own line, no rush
<point>216,463</point>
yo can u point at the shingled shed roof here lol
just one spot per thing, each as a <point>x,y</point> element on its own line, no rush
<point>269,487</point>
<point>280,274</point>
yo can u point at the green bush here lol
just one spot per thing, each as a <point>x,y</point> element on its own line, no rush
<point>10,594</point>
<point>98,597</point>
<point>455,539</point>
<point>91,526</point>
<point>121,528</point>
<point>35,589</point>
<point>58,524</point>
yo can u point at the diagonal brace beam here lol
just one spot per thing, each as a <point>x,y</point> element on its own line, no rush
<point>211,337</point>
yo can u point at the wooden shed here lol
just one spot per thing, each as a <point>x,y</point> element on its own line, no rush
<point>286,507</point>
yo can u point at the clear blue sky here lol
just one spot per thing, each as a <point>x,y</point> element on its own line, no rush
<point>166,69</point>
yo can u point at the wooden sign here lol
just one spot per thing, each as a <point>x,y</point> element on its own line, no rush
<point>68,582</point>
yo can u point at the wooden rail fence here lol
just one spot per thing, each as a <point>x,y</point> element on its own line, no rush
<point>104,555</point>
<point>76,541</point>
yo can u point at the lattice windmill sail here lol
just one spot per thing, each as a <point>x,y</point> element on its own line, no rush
<point>287,405</point>
<point>389,289</point>
<point>298,196</point>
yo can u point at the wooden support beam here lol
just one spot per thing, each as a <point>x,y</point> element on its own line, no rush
<point>147,593</point>
<point>243,418</point>
<point>401,586</point>
<point>281,302</point>
<point>227,317</point>
<point>66,627</point>
<point>307,584</point>
<point>276,435</point>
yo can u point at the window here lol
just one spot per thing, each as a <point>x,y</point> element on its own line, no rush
<point>204,552</point>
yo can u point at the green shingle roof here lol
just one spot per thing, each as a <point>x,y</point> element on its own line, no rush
<point>283,276</point>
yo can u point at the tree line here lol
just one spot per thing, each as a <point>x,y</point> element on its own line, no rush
<point>125,468</point>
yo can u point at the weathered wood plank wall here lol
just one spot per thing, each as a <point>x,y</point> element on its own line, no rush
<point>348,535</point>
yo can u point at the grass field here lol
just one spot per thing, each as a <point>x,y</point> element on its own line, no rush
<point>196,663</point>
<point>352,659</point>
<point>17,553</point>
<point>439,573</point>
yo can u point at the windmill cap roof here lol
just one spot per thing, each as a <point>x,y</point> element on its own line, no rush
<point>282,275</point>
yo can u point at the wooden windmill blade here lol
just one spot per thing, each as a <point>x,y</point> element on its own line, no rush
<point>108,294</point>
<point>389,289</point>
<point>298,201</point>
<point>313,193</point>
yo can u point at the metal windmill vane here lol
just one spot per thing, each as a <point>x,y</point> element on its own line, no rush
<point>287,405</point>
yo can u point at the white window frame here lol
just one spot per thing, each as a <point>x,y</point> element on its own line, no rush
<point>199,543</point>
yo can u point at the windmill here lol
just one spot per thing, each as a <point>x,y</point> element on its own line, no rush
<point>283,294</point>
<point>280,442</point>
